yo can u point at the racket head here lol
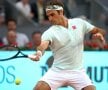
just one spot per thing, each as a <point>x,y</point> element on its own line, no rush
<point>8,52</point>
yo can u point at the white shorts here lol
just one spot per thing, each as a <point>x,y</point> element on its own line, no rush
<point>77,79</point>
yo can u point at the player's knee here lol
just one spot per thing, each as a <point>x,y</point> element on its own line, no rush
<point>41,85</point>
<point>90,87</point>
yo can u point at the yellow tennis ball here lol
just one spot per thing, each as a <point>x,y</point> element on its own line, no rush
<point>18,81</point>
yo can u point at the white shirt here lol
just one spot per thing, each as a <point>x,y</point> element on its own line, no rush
<point>25,9</point>
<point>67,43</point>
<point>21,40</point>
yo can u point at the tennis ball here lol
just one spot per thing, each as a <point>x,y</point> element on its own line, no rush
<point>18,81</point>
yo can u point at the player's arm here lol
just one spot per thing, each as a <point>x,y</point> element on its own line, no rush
<point>98,33</point>
<point>40,50</point>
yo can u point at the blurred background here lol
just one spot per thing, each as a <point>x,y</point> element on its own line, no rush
<point>22,23</point>
<point>29,16</point>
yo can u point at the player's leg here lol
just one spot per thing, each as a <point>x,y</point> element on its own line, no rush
<point>50,81</point>
<point>41,85</point>
<point>80,80</point>
<point>90,87</point>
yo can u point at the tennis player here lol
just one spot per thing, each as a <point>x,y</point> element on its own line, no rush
<point>65,38</point>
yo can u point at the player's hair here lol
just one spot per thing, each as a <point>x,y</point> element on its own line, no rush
<point>55,2</point>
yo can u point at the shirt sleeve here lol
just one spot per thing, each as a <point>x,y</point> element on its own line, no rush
<point>47,36</point>
<point>87,27</point>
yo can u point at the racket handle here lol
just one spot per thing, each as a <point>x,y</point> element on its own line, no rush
<point>33,57</point>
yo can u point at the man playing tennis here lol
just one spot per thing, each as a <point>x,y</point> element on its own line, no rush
<point>65,38</point>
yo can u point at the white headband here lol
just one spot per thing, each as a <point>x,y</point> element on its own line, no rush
<point>54,7</point>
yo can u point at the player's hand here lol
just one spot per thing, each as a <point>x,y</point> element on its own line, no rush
<point>33,57</point>
<point>99,36</point>
<point>36,57</point>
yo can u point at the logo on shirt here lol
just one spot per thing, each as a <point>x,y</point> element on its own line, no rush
<point>73,27</point>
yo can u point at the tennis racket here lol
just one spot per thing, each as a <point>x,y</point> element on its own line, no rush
<point>11,52</point>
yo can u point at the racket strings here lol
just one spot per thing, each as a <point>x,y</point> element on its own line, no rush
<point>7,52</point>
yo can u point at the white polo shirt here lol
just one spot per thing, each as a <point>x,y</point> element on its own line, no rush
<point>67,43</point>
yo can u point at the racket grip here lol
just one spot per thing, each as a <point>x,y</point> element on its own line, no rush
<point>32,56</point>
<point>35,57</point>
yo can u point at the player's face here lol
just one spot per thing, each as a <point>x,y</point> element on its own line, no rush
<point>54,17</point>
